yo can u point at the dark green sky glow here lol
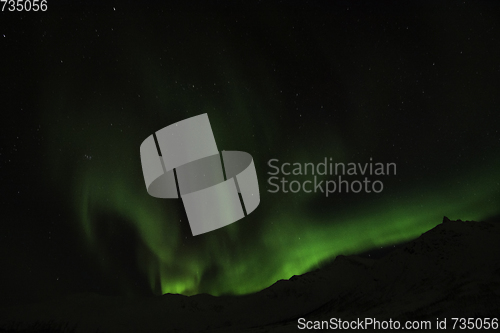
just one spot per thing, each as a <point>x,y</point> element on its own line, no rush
<point>414,86</point>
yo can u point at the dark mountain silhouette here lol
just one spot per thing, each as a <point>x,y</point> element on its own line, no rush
<point>453,270</point>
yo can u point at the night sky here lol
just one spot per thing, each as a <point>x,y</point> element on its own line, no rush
<point>82,86</point>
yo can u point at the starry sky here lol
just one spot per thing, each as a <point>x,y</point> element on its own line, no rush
<point>84,84</point>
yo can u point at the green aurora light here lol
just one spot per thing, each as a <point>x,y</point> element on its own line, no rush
<point>283,241</point>
<point>95,129</point>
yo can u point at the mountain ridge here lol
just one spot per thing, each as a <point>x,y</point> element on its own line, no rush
<point>452,270</point>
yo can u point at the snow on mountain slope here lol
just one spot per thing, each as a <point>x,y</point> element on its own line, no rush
<point>452,270</point>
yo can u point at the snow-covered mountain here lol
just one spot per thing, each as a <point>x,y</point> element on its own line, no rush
<point>450,271</point>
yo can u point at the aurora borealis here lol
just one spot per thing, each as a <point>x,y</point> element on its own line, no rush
<point>415,85</point>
